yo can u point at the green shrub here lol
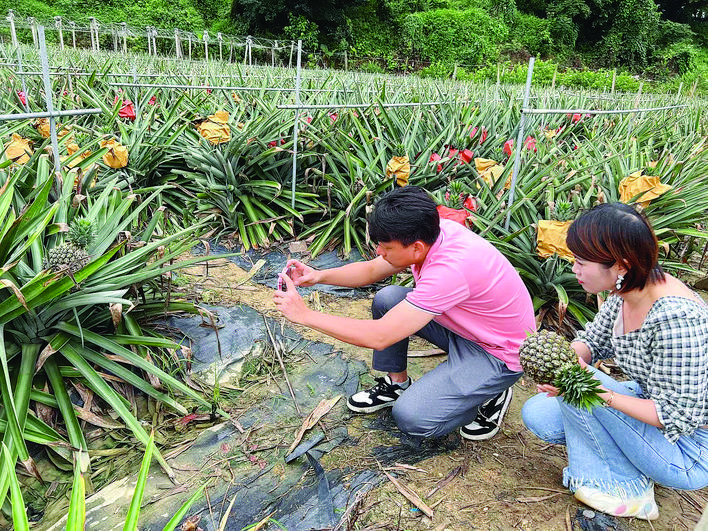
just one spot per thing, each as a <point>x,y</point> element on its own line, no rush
<point>372,67</point>
<point>678,58</point>
<point>438,70</point>
<point>373,34</point>
<point>446,35</point>
<point>533,34</point>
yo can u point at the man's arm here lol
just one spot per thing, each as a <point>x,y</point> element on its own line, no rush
<point>399,322</point>
<point>352,275</point>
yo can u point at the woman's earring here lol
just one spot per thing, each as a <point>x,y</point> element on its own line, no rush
<point>618,283</point>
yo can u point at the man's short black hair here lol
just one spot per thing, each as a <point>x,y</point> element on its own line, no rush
<point>405,215</point>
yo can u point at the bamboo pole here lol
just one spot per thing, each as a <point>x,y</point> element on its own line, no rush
<point>519,143</point>
<point>297,118</point>
<point>48,98</point>
<point>57,23</point>
<point>13,32</point>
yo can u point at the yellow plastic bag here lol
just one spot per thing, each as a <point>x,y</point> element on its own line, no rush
<point>18,150</point>
<point>490,171</point>
<point>550,239</point>
<point>636,183</point>
<point>215,128</point>
<point>43,128</point>
<point>117,156</point>
<point>400,169</point>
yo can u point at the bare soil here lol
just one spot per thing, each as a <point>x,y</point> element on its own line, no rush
<point>511,482</point>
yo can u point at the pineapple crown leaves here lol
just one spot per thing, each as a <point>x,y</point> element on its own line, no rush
<point>81,233</point>
<point>563,211</point>
<point>579,387</point>
<point>399,150</point>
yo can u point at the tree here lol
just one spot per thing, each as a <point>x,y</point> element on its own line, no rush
<point>270,18</point>
<point>685,11</point>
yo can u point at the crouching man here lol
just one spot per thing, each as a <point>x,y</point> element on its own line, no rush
<point>468,300</point>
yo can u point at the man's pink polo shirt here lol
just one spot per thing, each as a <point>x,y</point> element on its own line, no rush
<point>474,291</point>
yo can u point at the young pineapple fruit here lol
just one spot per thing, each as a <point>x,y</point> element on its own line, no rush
<point>72,255</point>
<point>548,358</point>
<point>563,211</point>
<point>456,195</point>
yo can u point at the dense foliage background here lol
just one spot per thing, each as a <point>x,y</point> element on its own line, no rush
<point>657,38</point>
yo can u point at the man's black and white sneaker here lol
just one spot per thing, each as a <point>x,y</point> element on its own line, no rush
<point>489,417</point>
<point>382,395</point>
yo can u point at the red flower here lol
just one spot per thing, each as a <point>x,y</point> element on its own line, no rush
<point>530,143</point>
<point>508,147</point>
<point>452,152</point>
<point>308,119</point>
<point>152,100</point>
<point>451,213</point>
<point>22,96</point>
<point>466,155</point>
<point>435,157</point>
<point>127,109</point>
<point>333,116</point>
<point>483,137</point>
<point>273,143</point>
<point>470,203</point>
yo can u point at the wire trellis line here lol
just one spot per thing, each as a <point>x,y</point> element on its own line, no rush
<point>591,111</point>
<point>47,114</point>
<point>219,87</point>
<point>365,104</point>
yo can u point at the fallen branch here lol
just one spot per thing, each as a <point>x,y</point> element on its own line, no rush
<point>410,495</point>
<point>276,348</point>
<point>533,499</point>
<point>320,411</point>
<point>447,479</point>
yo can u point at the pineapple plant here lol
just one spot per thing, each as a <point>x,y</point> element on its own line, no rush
<point>547,358</point>
<point>72,254</point>
<point>457,196</point>
<point>563,211</point>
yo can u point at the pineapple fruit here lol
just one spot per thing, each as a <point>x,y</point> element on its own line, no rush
<point>547,358</point>
<point>72,255</point>
<point>563,211</point>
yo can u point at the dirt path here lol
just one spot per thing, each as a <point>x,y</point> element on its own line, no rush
<point>512,481</point>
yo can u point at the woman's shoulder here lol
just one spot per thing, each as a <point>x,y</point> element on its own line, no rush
<point>679,307</point>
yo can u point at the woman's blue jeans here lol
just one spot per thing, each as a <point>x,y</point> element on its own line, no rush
<point>613,452</point>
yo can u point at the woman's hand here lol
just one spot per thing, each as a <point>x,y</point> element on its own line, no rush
<point>549,389</point>
<point>302,275</point>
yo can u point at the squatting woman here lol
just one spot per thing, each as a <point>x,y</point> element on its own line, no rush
<point>653,427</point>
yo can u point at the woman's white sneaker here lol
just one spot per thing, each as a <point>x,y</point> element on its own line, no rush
<point>643,506</point>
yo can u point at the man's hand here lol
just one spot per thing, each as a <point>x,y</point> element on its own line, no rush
<point>303,275</point>
<point>289,302</point>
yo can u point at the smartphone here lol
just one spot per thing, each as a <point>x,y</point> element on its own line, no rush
<point>281,284</point>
